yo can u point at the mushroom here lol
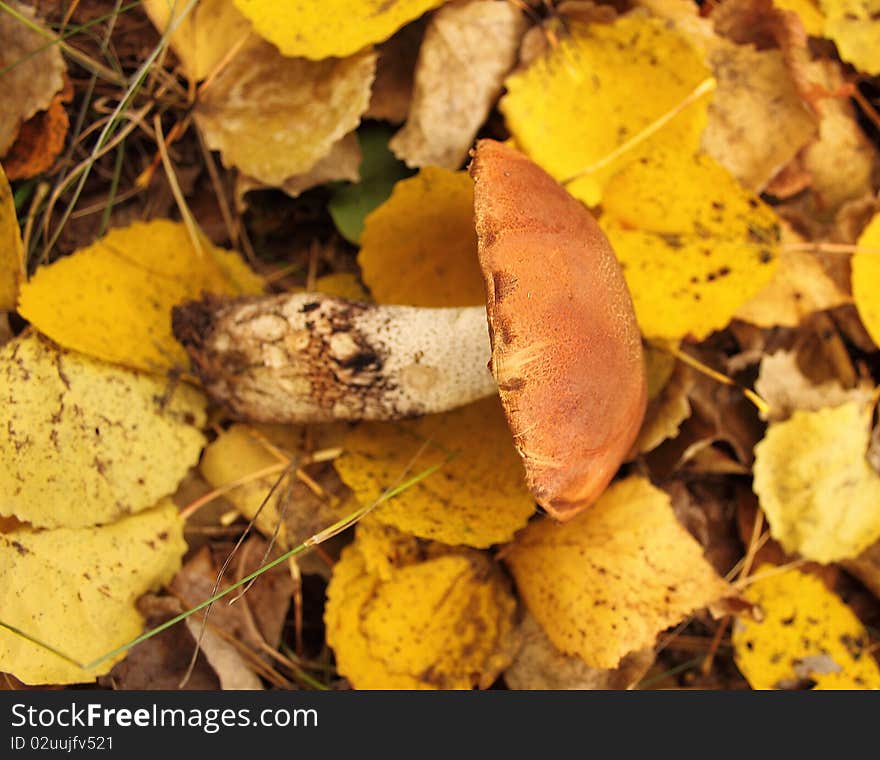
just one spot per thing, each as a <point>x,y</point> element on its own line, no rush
<point>565,349</point>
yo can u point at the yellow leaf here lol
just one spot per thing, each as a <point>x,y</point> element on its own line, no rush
<point>606,583</point>
<point>384,547</point>
<point>605,96</point>
<point>274,117</point>
<point>854,25</point>
<point>11,252</point>
<point>113,299</point>
<point>808,12</point>
<point>807,637</point>
<point>331,27</point>
<point>206,34</point>
<point>690,256</point>
<point>477,498</point>
<point>75,590</point>
<point>815,484</point>
<point>443,623</point>
<point>420,246</point>
<point>343,285</point>
<point>85,442</point>
<point>866,278</point>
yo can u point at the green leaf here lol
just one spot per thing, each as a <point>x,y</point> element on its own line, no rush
<point>379,171</point>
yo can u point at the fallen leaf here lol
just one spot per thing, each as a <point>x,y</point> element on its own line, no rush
<point>40,139</point>
<point>799,286</point>
<point>161,662</point>
<point>384,547</point>
<point>571,114</point>
<point>11,251</point>
<point>808,12</point>
<point>866,567</point>
<point>540,665</point>
<point>442,623</point>
<point>691,258</point>
<point>757,120</point>
<point>816,487</point>
<point>378,171</point>
<point>667,409</point>
<point>606,583</point>
<point>855,29</point>
<point>75,589</point>
<point>87,443</point>
<point>420,246</point>
<point>342,285</point>
<point>478,497</point>
<point>786,389</point>
<point>467,51</point>
<point>274,117</point>
<point>202,38</point>
<point>31,72</point>
<point>395,73</point>
<point>866,278</point>
<point>333,28</point>
<point>341,163</point>
<point>808,638</point>
<point>113,299</point>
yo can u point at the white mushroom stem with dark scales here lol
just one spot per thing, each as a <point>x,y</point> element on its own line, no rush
<point>309,357</point>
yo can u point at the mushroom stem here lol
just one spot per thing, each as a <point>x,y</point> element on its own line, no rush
<point>308,357</point>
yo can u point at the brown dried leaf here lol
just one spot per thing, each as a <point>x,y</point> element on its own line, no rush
<point>467,51</point>
<point>29,80</point>
<point>40,139</point>
<point>395,73</point>
<point>540,665</point>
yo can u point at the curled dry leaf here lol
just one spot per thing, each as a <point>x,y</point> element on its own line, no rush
<point>202,38</point>
<point>75,589</point>
<point>786,389</point>
<point>32,70</point>
<point>866,278</point>
<point>113,299</point>
<point>608,582</point>
<point>11,251</point>
<point>757,120</point>
<point>478,497</point>
<point>540,665</point>
<point>332,28</point>
<point>274,117</point>
<point>467,51</point>
<point>40,139</point>
<point>691,258</point>
<point>445,622</point>
<point>819,492</point>
<point>86,442</point>
<point>667,409</point>
<point>570,113</point>
<point>807,637</point>
<point>855,28</point>
<point>420,246</point>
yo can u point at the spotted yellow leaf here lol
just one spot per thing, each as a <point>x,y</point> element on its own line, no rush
<point>866,278</point>
<point>606,583</point>
<point>85,442</point>
<point>420,246</point>
<point>814,482</point>
<point>605,96</point>
<point>806,637</point>
<point>11,253</point>
<point>691,257</point>
<point>113,299</point>
<point>444,622</point>
<point>75,589</point>
<point>854,25</point>
<point>332,27</point>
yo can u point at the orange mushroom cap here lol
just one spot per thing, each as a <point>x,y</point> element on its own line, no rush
<point>566,348</point>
